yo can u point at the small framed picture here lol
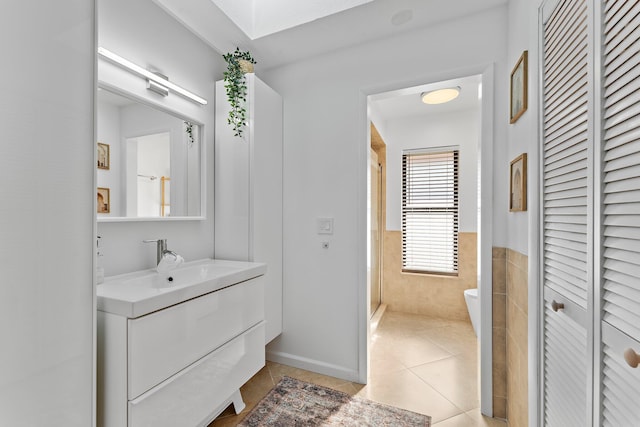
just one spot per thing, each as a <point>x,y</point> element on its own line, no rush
<point>103,156</point>
<point>518,184</point>
<point>104,200</point>
<point>518,89</point>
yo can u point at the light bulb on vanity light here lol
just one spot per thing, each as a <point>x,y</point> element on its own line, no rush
<point>157,83</point>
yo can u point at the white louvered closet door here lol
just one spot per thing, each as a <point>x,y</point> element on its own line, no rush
<point>620,387</point>
<point>567,213</point>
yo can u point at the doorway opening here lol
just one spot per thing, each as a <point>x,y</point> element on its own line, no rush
<point>403,122</point>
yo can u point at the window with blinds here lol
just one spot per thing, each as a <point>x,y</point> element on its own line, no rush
<point>430,212</point>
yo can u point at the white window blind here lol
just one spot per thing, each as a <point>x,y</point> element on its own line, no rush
<point>430,212</point>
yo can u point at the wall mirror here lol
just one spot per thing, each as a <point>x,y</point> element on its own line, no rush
<point>149,161</point>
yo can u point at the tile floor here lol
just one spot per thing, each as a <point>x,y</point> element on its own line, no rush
<point>418,363</point>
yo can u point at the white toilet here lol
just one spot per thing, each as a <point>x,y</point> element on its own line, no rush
<point>473,306</point>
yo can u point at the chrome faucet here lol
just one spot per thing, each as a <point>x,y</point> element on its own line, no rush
<point>161,249</point>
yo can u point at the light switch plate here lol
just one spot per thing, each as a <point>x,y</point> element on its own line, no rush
<point>325,225</point>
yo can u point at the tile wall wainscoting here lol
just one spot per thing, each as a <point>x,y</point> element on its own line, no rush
<point>510,300</point>
<point>499,272</point>
<point>432,295</point>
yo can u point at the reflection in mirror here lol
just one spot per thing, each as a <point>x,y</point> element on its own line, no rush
<point>149,160</point>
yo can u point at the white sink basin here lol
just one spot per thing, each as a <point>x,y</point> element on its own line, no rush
<point>136,294</point>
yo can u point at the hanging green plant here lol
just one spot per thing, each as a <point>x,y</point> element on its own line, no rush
<point>238,63</point>
<point>189,130</point>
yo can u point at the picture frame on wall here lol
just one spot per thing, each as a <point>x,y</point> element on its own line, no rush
<point>518,184</point>
<point>518,92</point>
<point>104,200</point>
<point>103,156</point>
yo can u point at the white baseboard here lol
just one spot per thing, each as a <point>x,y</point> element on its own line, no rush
<point>313,365</point>
<point>377,317</point>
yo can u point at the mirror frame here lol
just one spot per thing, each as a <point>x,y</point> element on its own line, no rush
<point>203,156</point>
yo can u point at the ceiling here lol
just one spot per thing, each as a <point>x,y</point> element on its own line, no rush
<point>366,22</point>
<point>259,18</point>
<point>301,29</point>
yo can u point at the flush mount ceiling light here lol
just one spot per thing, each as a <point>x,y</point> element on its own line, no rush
<point>402,17</point>
<point>440,96</point>
<point>157,83</point>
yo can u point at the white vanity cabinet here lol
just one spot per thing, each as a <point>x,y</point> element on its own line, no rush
<point>183,364</point>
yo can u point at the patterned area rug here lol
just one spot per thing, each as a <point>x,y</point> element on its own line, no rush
<point>297,403</point>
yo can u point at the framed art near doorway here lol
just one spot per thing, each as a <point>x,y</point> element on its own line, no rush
<point>518,92</point>
<point>518,184</point>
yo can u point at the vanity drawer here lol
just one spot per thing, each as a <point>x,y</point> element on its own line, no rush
<point>162,343</point>
<point>189,398</point>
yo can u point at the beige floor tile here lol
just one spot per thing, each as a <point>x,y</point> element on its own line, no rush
<point>410,350</point>
<point>455,338</point>
<point>227,421</point>
<point>483,421</point>
<point>405,390</point>
<point>471,419</point>
<point>455,378</point>
<point>418,363</point>
<point>383,362</point>
<point>462,420</point>
<point>278,371</point>
<point>256,388</point>
<point>405,323</point>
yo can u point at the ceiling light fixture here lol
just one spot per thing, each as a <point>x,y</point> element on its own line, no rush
<point>402,17</point>
<point>151,77</point>
<point>440,96</point>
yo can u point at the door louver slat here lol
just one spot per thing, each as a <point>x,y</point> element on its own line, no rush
<point>620,382</point>
<point>565,365</point>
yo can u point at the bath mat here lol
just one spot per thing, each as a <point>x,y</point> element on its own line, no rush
<point>297,403</point>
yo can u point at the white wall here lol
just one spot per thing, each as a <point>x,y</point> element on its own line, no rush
<point>141,32</point>
<point>523,135</point>
<point>325,158</point>
<point>461,129</point>
<point>47,213</point>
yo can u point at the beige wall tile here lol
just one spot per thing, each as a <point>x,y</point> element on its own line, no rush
<point>515,257</point>
<point>499,311</point>
<point>499,276</point>
<point>499,407</point>
<point>517,326</point>
<point>499,281</point>
<point>499,363</point>
<point>517,279</point>
<point>517,338</point>
<point>438,296</point>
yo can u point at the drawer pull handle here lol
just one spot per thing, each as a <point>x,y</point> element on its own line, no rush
<point>555,306</point>
<point>632,358</point>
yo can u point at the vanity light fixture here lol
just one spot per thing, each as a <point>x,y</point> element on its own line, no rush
<point>153,79</point>
<point>440,96</point>
<point>157,88</point>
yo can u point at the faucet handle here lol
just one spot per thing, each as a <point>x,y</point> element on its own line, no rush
<point>160,248</point>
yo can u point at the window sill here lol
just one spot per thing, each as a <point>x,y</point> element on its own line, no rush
<point>430,274</point>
